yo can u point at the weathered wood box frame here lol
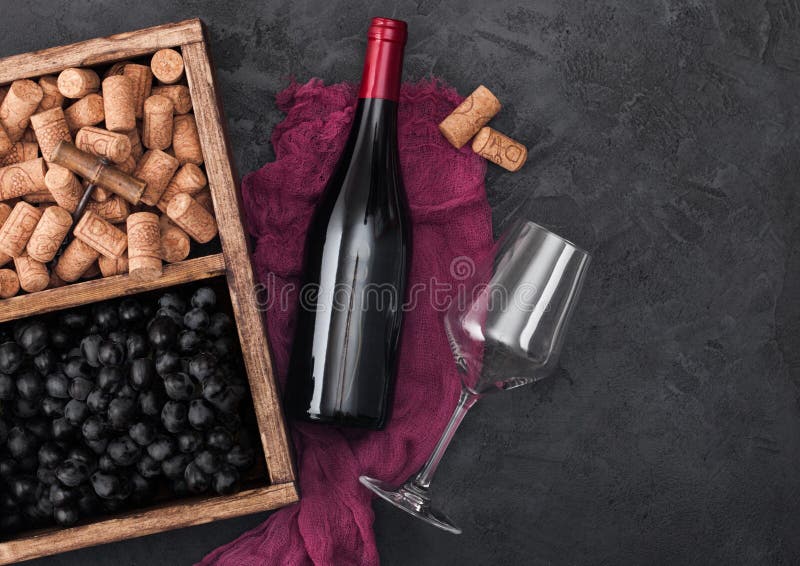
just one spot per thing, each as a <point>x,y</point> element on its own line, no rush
<point>279,487</point>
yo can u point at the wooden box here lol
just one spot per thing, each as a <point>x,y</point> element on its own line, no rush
<point>277,486</point>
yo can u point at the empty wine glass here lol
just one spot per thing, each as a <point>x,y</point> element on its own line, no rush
<point>507,332</point>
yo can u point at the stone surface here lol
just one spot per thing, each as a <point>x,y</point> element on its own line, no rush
<point>663,137</point>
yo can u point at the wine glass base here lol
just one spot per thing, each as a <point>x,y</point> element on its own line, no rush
<point>412,501</point>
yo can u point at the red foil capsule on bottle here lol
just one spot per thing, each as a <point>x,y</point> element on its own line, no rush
<point>383,64</point>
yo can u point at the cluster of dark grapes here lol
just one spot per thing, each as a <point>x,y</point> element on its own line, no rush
<point>104,408</point>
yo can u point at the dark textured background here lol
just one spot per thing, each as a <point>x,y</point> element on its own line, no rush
<point>664,137</point>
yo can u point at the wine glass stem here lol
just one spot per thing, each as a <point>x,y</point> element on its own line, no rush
<point>423,478</point>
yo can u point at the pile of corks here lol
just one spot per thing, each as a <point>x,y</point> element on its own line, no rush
<point>144,129</point>
<point>468,122</point>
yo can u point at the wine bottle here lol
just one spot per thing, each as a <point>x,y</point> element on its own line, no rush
<point>357,253</point>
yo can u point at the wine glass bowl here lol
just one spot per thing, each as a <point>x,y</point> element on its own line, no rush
<point>506,332</point>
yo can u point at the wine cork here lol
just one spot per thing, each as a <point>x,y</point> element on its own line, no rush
<point>189,179</point>
<point>167,66</point>
<point>88,111</point>
<point>128,166</point>
<point>113,266</point>
<point>203,198</point>
<point>115,209</point>
<point>175,244</point>
<point>9,283</point>
<point>22,178</point>
<point>51,96</point>
<point>185,140</point>
<point>5,212</point>
<point>5,141</point>
<point>500,149</point>
<point>75,260</point>
<point>20,151</point>
<point>195,220</point>
<point>18,227</point>
<point>92,271</point>
<point>20,103</point>
<point>55,280</point>
<point>50,128</point>
<point>142,78</point>
<point>137,149</point>
<point>157,123</point>
<point>156,168</point>
<point>101,235</point>
<point>144,246</point>
<point>99,194</point>
<point>119,104</point>
<point>33,275</point>
<point>64,186</point>
<point>178,94</point>
<point>50,232</point>
<point>39,197</point>
<point>469,116</point>
<point>115,146</point>
<point>117,68</point>
<point>77,83</point>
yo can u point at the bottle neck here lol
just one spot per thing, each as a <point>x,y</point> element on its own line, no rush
<point>383,66</point>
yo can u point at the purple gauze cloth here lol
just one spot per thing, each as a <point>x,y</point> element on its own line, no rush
<point>451,221</point>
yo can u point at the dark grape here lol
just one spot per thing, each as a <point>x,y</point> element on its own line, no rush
<point>179,386</point>
<point>151,402</point>
<point>52,407</point>
<point>25,409</point>
<point>98,401</point>
<point>90,349</point>
<point>161,448</point>
<point>97,446</point>
<point>189,341</point>
<point>72,472</point>
<point>201,415</point>
<point>31,336</point>
<point>106,463</point>
<point>204,298</point>
<point>123,450</point>
<point>167,362</point>
<point>174,466</point>
<point>172,301</point>
<point>50,454</point>
<point>105,485</point>
<point>74,320</point>
<point>46,476</point>
<point>80,387</point>
<point>130,312</point>
<point>226,481</point>
<point>219,439</point>
<point>11,357</point>
<point>110,378</point>
<point>8,387</point>
<point>30,386</point>
<point>137,346</point>
<point>65,516</point>
<point>196,480</point>
<point>196,319</point>
<point>57,385</point>
<point>76,412</point>
<point>111,353</point>
<point>21,442</point>
<point>142,373</point>
<point>148,466</point>
<point>202,366</point>
<point>105,316</point>
<point>220,325</point>
<point>162,332</point>
<point>208,461</point>
<point>62,429</point>
<point>60,495</point>
<point>77,367</point>
<point>189,441</point>
<point>174,416</point>
<point>121,412</point>
<point>45,361</point>
<point>23,488</point>
<point>83,454</point>
<point>143,433</point>
<point>94,428</point>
